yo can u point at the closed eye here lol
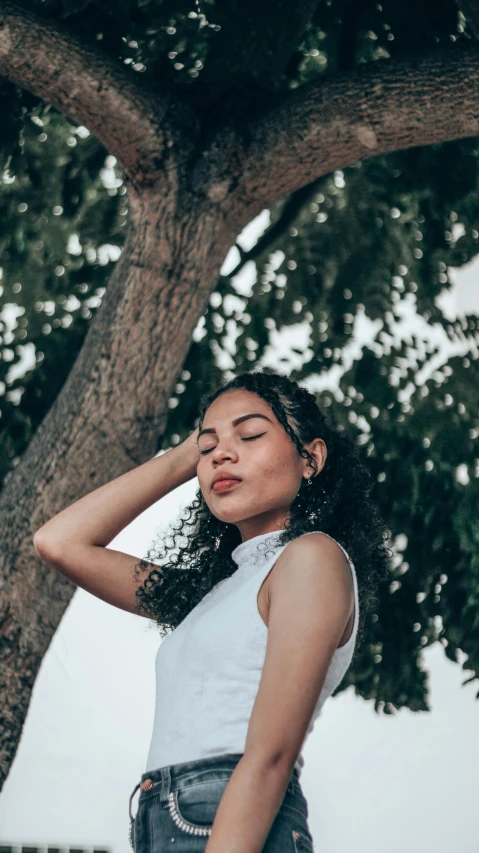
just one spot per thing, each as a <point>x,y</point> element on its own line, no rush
<point>249,438</point>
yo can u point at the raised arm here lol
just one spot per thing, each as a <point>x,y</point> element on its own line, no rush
<point>74,542</point>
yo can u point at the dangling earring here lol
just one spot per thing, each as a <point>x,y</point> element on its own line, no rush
<point>218,539</point>
<point>308,483</point>
<point>312,515</point>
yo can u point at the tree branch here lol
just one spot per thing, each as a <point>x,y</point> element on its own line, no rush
<point>381,106</point>
<point>42,56</point>
<point>294,204</point>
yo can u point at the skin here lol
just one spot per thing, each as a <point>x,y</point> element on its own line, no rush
<point>270,467</point>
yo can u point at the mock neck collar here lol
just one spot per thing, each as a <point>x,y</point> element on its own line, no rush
<point>246,551</point>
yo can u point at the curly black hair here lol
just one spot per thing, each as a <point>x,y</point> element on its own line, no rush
<point>338,503</point>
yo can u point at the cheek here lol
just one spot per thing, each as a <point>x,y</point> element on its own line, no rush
<point>204,478</point>
<point>275,466</point>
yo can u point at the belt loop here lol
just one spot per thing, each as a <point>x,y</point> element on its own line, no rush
<point>165,784</point>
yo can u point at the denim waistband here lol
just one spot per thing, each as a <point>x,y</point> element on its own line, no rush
<point>173,777</point>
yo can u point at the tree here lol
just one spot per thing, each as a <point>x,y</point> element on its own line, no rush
<point>137,142</point>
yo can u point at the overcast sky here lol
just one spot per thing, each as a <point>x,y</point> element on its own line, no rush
<point>373,783</point>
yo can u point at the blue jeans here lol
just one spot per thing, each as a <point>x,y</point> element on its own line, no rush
<point>177,807</point>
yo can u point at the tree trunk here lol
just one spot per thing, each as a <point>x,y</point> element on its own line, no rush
<point>106,420</point>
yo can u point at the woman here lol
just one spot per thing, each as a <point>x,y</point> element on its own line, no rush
<point>261,598</point>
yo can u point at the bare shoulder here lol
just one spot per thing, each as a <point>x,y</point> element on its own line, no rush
<point>315,558</point>
<point>315,543</point>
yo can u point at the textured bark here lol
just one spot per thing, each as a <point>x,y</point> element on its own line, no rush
<point>186,207</point>
<point>106,420</point>
<point>136,124</point>
<point>378,107</point>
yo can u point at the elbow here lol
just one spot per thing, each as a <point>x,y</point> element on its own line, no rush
<point>276,761</point>
<point>47,550</point>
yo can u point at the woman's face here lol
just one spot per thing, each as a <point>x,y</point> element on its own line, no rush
<point>269,466</point>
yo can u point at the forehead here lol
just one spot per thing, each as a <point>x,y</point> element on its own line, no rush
<point>237,402</point>
<point>232,407</point>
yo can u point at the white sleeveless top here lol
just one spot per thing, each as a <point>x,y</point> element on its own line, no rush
<point>209,668</point>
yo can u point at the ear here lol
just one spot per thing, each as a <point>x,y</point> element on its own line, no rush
<point>319,451</point>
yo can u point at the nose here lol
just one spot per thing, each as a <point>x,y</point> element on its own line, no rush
<point>221,456</point>
<point>221,452</point>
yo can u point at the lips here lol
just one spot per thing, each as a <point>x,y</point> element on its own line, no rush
<point>225,483</point>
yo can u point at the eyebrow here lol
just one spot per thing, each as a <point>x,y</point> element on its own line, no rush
<point>237,421</point>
